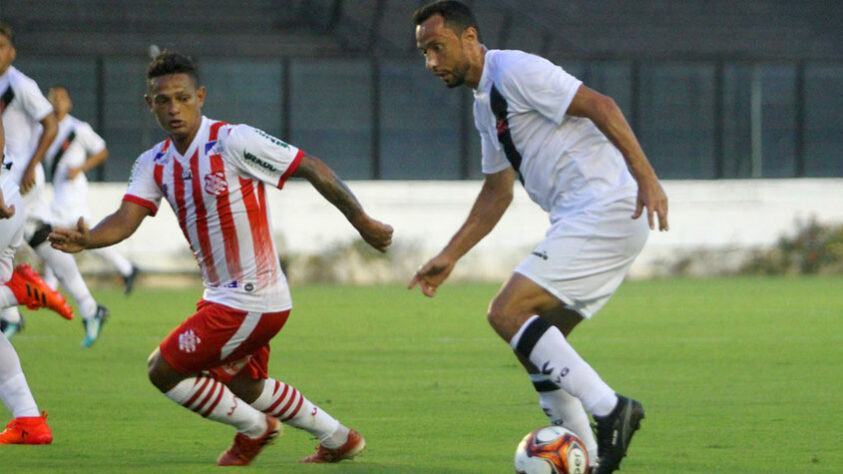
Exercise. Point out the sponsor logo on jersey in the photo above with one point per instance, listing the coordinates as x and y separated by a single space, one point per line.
188 341
271 138
249 287
215 183
232 284
541 254
259 162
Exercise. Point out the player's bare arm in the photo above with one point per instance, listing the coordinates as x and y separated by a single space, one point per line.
375 233
49 130
111 230
607 116
488 208
5 211
92 162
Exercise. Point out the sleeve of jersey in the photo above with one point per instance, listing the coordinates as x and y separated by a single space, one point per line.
545 87
92 142
494 160
36 105
260 155
143 188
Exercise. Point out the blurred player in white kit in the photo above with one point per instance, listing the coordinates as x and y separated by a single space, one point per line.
19 285
24 111
77 149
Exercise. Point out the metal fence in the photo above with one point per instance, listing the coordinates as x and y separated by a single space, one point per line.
388 118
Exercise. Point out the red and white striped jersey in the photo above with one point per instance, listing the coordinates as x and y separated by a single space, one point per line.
216 190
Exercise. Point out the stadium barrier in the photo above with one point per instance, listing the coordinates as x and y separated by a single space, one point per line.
724 218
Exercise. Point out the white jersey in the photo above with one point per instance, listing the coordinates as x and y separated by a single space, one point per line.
74 143
566 163
23 106
216 190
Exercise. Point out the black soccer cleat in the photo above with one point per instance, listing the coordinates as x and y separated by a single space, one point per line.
129 281
614 433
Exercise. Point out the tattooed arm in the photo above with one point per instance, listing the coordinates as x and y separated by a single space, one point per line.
331 187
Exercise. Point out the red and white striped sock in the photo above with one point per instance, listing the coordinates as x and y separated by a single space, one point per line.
212 399
290 406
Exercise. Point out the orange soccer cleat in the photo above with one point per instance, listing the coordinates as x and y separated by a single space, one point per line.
245 449
30 290
352 447
27 430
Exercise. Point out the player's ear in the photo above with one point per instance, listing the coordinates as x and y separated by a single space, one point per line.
200 95
148 100
470 34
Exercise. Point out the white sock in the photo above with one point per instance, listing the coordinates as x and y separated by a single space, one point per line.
565 410
50 279
68 274
212 399
10 315
550 352
14 390
111 255
290 406
7 298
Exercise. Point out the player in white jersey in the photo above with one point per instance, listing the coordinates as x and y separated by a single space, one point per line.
213 176
19 285
578 159
77 149
24 108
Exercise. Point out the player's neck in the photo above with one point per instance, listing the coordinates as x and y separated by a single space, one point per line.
475 72
183 142
60 116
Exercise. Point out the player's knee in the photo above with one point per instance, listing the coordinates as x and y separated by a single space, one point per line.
499 316
160 373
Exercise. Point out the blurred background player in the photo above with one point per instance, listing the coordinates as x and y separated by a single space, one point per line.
23 109
77 149
579 160
20 286
213 176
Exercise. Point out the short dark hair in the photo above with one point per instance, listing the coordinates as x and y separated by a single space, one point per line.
168 62
456 14
7 31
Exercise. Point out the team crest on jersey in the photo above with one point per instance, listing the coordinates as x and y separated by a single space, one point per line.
188 341
215 183
186 174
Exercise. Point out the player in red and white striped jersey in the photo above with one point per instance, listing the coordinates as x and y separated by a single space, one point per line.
214 175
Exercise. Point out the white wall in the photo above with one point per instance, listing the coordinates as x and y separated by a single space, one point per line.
714 215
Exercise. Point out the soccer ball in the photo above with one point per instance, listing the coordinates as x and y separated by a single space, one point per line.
551 450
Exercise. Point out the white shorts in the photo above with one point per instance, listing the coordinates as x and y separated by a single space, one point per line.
11 232
37 207
583 259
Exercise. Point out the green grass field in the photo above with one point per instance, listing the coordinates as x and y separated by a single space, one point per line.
740 375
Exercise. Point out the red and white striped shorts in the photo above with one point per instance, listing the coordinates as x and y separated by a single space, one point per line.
223 340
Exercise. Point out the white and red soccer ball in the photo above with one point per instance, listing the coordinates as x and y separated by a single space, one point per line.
551 450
